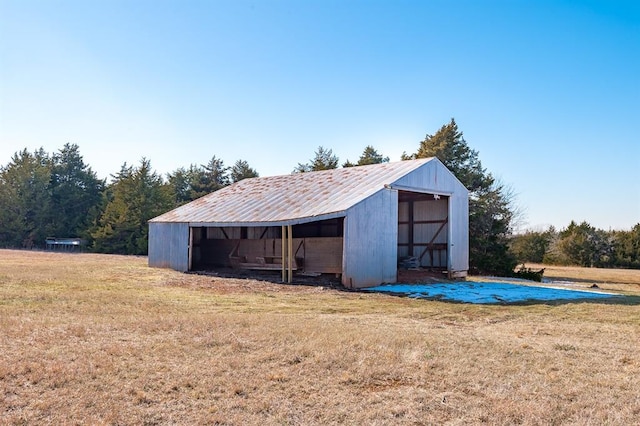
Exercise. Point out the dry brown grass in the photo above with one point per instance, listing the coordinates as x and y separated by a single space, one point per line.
625 280
94 339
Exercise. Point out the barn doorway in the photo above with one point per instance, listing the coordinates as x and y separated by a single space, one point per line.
423 231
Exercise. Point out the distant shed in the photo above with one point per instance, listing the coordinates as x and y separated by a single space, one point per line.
356 222
64 244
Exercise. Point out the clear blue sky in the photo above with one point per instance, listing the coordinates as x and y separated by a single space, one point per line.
548 92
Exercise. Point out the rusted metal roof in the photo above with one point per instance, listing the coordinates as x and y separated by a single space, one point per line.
290 199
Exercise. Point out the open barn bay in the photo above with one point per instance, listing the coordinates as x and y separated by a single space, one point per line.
101 339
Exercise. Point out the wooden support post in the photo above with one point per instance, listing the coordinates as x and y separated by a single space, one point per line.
190 248
411 227
283 251
290 252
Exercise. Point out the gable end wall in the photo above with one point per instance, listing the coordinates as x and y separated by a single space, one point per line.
435 176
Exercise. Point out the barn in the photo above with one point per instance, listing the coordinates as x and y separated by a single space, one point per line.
359 223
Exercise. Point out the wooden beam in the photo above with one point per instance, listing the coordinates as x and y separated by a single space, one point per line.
436 246
284 256
411 230
266 228
290 252
432 240
422 222
190 248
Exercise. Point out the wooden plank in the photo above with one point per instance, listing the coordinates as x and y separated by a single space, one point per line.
290 252
318 254
429 247
436 246
411 227
264 266
283 252
323 255
422 222
190 248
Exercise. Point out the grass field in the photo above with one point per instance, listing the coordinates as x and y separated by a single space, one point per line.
99 339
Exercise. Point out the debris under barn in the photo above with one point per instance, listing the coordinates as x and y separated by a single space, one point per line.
359 223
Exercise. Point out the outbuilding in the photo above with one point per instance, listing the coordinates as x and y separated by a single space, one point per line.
359 223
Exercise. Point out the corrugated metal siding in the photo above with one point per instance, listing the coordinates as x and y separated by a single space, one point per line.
434 176
459 230
283 199
169 246
370 241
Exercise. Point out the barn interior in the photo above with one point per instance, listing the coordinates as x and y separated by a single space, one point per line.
317 247
423 231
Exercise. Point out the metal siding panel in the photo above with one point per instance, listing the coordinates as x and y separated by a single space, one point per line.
431 210
432 175
459 244
403 234
180 247
370 242
168 246
424 233
155 256
403 211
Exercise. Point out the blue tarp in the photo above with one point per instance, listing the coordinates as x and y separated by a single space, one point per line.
488 292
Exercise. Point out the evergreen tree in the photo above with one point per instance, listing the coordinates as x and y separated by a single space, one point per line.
369 156
323 160
532 246
585 245
136 195
189 184
242 170
25 199
216 175
450 147
180 185
627 247
490 203
76 193
198 181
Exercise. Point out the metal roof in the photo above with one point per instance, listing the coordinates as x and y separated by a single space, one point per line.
290 199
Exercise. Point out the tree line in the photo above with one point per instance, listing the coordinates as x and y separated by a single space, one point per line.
58 195
579 244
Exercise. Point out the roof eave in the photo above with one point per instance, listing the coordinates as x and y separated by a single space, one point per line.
283 222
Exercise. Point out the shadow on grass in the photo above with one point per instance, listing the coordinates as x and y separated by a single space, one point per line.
557 279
